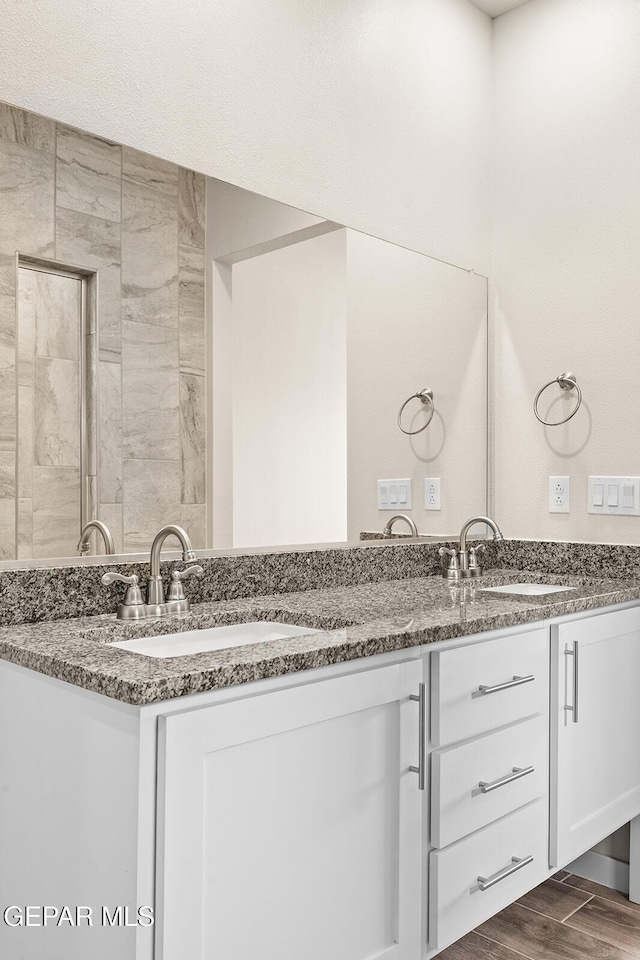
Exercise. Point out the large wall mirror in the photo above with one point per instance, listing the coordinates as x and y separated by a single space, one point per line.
177 349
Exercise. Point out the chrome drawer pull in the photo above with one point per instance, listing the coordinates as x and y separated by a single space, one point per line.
517 773
516 864
576 685
421 770
515 682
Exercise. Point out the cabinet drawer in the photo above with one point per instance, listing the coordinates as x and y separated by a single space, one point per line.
468 692
457 901
475 783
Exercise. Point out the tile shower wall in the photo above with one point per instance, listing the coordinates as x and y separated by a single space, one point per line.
139 221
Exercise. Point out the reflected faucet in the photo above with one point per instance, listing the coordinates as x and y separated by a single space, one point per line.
155 588
400 516
464 562
103 529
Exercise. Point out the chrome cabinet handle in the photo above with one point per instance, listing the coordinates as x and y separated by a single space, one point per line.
421 700
515 682
517 863
516 774
573 707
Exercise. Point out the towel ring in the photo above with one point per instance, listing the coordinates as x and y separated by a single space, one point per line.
425 397
566 381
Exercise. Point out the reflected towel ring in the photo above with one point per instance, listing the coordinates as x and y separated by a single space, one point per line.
425 397
566 381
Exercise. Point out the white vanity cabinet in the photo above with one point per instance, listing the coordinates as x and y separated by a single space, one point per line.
289 824
595 711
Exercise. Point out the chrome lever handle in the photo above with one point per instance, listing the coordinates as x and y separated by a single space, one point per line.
516 774
421 770
183 574
515 682
112 576
517 863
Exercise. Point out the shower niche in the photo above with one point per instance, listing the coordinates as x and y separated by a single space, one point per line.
56 406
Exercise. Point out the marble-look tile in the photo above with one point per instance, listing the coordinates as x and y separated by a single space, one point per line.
7 374
86 241
150 392
149 256
56 511
25 441
25 529
7 474
111 514
28 128
57 312
193 518
26 327
192 198
88 172
110 432
56 401
151 500
149 171
193 437
91 411
192 323
26 207
7 529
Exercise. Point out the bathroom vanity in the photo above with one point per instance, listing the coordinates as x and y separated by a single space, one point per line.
372 790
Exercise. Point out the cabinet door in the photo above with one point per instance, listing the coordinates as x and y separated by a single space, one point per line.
289 824
595 730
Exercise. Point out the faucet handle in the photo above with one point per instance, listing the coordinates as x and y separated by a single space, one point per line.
176 590
132 598
454 562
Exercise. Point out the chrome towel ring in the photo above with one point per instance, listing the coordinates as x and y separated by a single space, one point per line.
426 399
566 381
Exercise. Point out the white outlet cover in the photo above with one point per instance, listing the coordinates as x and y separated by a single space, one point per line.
432 493
559 495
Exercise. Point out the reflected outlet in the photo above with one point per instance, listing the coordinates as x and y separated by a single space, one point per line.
559 494
432 493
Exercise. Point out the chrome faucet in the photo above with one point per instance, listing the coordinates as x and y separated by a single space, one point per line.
156 606
400 516
464 561
103 529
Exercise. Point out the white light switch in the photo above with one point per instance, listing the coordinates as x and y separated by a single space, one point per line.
618 496
394 494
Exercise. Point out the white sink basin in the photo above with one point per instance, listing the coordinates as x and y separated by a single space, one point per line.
211 638
527 589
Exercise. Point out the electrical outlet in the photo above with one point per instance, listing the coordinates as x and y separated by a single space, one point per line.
432 493
559 494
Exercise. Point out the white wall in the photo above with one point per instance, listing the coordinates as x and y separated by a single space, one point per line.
566 257
413 323
371 113
289 395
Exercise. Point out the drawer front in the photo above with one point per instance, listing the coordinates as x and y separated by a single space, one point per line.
484 779
468 692
457 901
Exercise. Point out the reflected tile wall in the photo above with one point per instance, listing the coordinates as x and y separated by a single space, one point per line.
140 223
56 511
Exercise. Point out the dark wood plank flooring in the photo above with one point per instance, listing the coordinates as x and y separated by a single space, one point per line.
565 918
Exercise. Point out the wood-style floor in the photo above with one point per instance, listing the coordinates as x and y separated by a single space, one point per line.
565 918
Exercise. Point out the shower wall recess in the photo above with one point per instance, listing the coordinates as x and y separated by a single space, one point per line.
136 224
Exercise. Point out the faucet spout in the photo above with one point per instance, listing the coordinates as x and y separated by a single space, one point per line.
497 535
103 530
171 530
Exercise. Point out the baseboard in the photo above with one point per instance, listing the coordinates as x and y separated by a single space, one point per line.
601 869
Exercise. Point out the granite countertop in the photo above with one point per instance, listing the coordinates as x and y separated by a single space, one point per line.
355 621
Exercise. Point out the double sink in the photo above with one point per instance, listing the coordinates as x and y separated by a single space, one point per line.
262 631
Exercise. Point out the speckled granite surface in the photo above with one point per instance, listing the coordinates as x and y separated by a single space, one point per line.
356 621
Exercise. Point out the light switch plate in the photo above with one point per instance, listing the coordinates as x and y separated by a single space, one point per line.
617 496
394 494
559 494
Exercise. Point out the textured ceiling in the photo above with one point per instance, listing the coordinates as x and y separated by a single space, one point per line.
495 7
